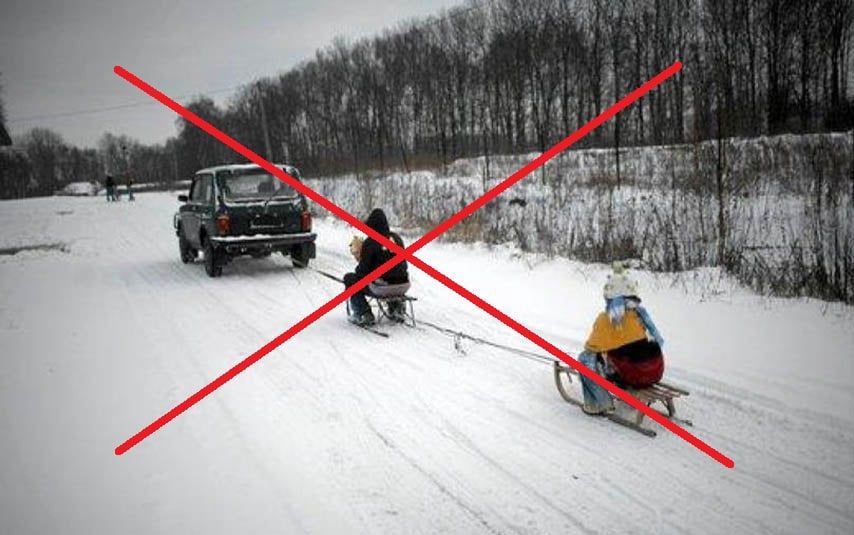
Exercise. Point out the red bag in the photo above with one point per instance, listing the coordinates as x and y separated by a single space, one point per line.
638 373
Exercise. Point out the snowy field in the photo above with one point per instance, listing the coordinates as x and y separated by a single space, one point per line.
102 330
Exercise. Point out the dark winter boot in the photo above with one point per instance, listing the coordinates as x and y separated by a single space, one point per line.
596 410
365 318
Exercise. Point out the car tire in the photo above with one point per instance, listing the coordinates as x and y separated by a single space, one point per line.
299 257
213 265
188 254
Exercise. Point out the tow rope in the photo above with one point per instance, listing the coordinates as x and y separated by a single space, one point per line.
461 335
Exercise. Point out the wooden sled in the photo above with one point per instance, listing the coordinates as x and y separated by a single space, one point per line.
661 392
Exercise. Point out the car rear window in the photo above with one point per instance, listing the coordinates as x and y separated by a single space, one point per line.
251 185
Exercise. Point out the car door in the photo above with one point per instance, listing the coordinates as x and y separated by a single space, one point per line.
194 213
187 216
205 206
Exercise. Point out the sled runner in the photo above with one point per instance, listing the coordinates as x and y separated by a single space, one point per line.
661 392
370 329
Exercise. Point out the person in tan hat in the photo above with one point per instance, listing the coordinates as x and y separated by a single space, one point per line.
624 345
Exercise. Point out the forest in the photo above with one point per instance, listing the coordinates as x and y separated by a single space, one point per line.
501 77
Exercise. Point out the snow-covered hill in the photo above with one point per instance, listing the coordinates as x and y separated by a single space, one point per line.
102 329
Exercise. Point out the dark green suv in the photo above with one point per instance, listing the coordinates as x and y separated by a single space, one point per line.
235 210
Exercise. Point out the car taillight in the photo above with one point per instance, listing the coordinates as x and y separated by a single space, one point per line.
305 221
223 224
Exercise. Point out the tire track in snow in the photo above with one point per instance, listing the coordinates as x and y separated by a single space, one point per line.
787 495
156 324
715 400
473 513
742 399
467 444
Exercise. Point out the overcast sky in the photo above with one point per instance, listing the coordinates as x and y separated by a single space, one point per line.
57 56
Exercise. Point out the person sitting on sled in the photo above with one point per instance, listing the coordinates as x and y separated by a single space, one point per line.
624 345
371 255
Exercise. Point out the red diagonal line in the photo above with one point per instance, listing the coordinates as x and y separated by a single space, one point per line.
407 253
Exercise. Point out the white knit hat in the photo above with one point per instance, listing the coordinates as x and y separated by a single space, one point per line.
619 283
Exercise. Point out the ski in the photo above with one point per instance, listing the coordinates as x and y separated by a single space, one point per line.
371 329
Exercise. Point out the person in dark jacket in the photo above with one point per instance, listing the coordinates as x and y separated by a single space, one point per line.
110 185
372 255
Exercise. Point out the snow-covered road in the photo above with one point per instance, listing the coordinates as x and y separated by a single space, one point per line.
337 431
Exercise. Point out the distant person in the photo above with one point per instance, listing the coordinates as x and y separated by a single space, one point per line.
130 189
371 255
110 186
624 345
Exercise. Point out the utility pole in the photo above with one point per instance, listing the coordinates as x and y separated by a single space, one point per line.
264 125
126 166
128 171
125 160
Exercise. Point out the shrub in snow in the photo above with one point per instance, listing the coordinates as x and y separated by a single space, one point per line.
775 211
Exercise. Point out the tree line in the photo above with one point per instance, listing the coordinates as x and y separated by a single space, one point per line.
41 162
511 76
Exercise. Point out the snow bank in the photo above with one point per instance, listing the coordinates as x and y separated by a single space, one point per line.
76 189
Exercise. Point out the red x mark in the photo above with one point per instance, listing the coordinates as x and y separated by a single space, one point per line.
408 254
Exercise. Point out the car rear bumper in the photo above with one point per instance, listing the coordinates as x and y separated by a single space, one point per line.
261 242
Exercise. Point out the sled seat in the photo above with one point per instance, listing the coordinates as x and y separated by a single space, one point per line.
661 392
383 290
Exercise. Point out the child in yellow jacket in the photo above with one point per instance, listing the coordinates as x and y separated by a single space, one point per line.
624 344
